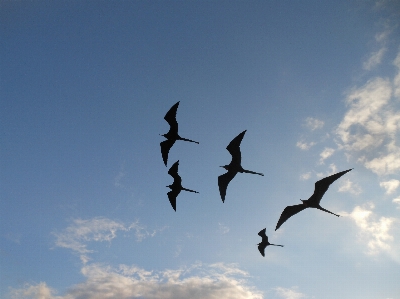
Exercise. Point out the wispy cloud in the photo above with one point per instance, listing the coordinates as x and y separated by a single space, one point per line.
195 282
374 59
291 293
99 229
313 123
369 129
390 186
349 186
325 154
375 232
397 201
305 176
304 145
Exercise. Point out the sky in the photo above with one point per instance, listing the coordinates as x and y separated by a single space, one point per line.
84 88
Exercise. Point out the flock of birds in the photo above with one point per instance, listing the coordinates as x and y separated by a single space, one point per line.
233 168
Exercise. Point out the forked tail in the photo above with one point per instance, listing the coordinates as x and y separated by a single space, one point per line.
253 172
184 139
189 190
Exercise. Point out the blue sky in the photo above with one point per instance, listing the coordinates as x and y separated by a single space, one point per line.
85 85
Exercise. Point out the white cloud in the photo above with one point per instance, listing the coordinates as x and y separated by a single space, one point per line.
374 59
99 229
314 123
349 186
289 293
305 176
326 153
397 201
304 145
375 232
333 170
369 129
196 282
390 186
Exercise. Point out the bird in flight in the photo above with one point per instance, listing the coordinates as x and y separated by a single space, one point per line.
264 242
313 202
234 167
176 186
172 134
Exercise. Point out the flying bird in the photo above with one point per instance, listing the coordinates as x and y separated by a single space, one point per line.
264 242
234 167
313 202
176 186
172 134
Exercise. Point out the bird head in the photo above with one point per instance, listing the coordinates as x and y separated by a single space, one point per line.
169 186
225 166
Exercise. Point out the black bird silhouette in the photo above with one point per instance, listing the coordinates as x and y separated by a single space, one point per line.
264 242
176 186
313 202
172 134
234 167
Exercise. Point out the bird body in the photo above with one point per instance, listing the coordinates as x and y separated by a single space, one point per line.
176 186
321 187
234 167
172 135
264 242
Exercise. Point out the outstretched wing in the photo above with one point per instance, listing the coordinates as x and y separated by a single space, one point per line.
173 171
288 212
322 185
170 117
262 234
234 148
261 248
165 147
223 181
172 195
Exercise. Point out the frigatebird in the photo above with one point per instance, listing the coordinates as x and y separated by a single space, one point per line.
176 186
313 202
234 167
172 134
264 242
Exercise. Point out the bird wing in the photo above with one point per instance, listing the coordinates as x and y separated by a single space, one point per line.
170 117
322 186
288 212
234 148
223 181
172 195
262 234
261 248
173 171
165 147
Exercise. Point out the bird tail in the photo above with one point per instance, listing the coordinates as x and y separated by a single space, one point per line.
189 190
185 139
325 210
253 172
276 245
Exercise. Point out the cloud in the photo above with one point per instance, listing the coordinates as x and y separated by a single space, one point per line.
289 293
333 168
397 201
304 146
195 282
349 186
390 186
326 153
370 127
375 232
99 229
305 176
374 59
314 123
